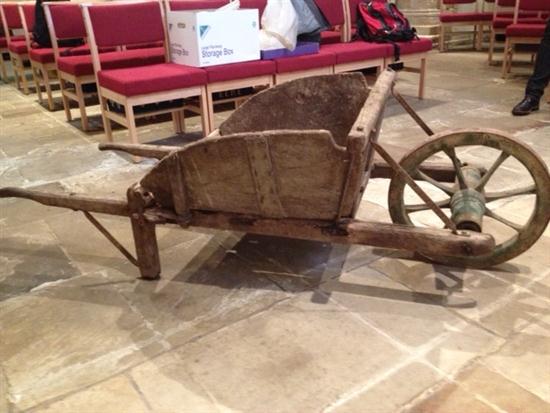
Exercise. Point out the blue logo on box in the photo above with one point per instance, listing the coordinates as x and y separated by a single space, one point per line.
203 30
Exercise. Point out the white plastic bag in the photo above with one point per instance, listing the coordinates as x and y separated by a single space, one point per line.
279 26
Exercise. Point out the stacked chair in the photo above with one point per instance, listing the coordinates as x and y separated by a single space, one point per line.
122 59
17 46
474 17
503 16
520 32
75 66
413 52
160 84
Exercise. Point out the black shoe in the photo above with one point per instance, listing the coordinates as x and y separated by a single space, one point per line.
526 106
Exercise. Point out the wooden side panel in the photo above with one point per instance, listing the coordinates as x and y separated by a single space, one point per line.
310 175
275 174
330 102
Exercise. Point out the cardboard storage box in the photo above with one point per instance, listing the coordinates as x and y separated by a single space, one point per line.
203 38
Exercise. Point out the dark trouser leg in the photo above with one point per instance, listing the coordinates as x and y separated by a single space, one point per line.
541 76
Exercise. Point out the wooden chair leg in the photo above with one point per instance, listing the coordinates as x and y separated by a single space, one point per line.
48 87
207 102
176 120
65 99
505 58
81 105
36 77
479 37
422 81
15 68
491 47
181 116
106 121
3 69
23 75
441 38
131 119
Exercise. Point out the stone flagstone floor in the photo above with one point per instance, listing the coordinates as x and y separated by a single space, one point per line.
242 323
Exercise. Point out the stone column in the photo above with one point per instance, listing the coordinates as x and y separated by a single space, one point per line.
423 14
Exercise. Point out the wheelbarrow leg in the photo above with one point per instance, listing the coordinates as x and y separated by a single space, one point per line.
145 237
147 251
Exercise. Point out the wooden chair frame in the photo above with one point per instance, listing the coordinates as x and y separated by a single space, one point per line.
129 119
478 27
67 94
496 31
422 59
512 41
43 74
17 60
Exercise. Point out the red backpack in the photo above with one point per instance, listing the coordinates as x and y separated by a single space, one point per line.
382 22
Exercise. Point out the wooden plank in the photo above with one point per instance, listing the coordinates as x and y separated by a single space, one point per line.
70 201
177 184
429 241
262 172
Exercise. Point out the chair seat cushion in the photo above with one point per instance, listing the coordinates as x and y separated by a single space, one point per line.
43 55
243 70
305 62
18 47
465 17
358 51
415 46
4 40
525 30
81 65
331 37
504 22
143 80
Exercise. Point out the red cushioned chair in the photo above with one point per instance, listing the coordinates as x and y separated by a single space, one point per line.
3 50
74 65
41 59
474 17
119 25
350 55
228 77
414 52
523 33
17 46
503 16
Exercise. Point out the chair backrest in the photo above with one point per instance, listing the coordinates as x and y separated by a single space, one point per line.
27 13
533 5
538 6
11 18
333 10
119 24
65 21
445 4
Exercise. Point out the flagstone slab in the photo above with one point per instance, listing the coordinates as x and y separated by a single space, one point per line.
113 395
391 393
68 336
296 356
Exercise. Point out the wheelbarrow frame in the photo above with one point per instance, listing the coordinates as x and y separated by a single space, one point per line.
145 214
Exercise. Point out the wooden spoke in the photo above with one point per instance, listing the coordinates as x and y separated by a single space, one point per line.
527 190
445 188
502 157
450 152
503 220
422 207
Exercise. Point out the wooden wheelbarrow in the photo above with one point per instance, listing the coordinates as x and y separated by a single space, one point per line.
294 161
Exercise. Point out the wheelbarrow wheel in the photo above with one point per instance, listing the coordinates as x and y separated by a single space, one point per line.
509 191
